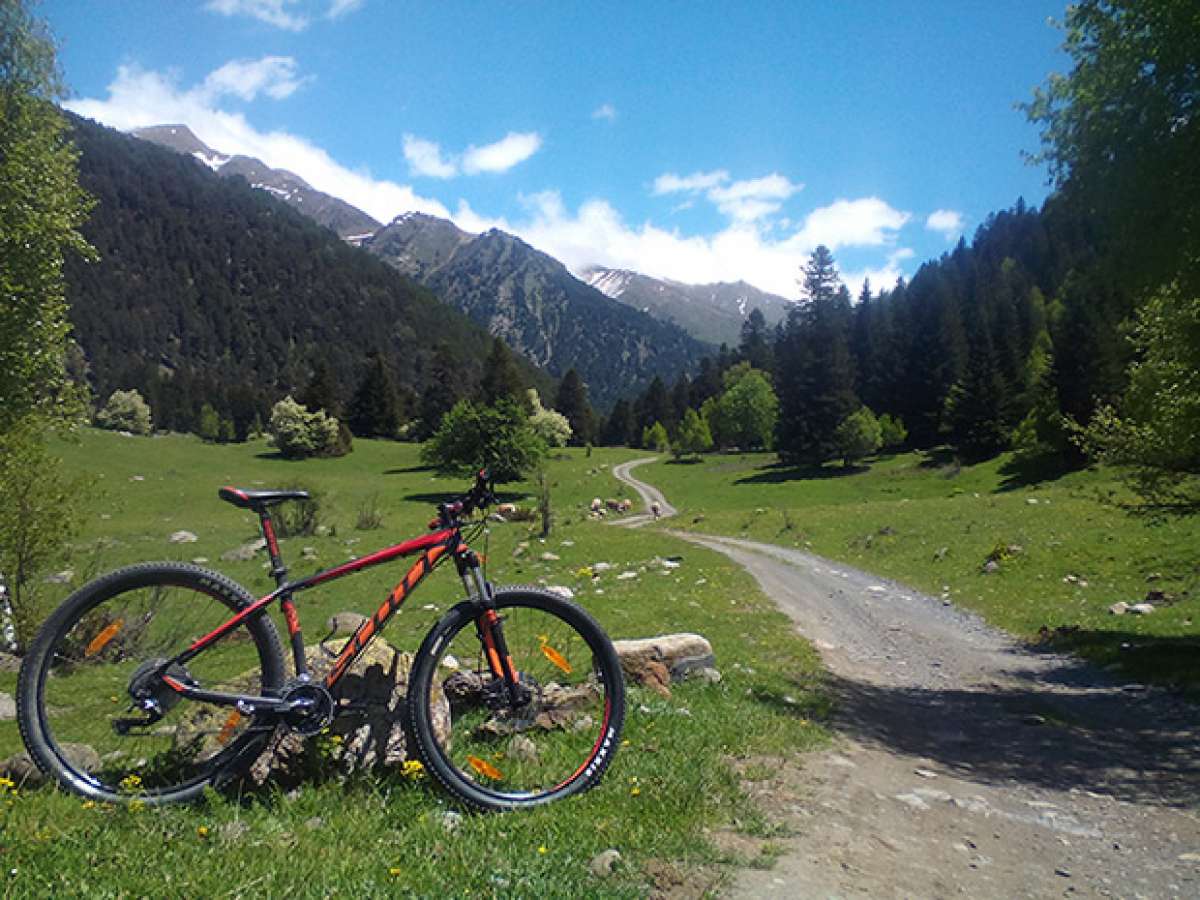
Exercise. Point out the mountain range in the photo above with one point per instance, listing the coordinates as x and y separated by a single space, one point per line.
711 313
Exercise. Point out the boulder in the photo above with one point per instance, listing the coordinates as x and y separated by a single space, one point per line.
21 769
370 735
678 654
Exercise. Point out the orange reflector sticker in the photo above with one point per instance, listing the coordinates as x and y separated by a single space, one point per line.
100 641
231 723
555 657
485 768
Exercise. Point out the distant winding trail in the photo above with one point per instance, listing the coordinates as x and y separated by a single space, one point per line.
967 765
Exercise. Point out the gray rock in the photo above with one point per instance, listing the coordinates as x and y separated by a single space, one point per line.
1119 609
183 537
668 649
245 552
21 768
66 576
549 557
10 662
8 707
602 864
1142 609
688 665
991 567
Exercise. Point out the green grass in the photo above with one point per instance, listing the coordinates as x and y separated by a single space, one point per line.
922 520
385 835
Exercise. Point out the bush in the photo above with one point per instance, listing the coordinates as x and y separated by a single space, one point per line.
498 437
892 432
38 515
297 433
857 435
694 437
125 411
552 427
654 437
299 518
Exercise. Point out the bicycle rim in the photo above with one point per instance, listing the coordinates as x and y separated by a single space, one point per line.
556 738
125 628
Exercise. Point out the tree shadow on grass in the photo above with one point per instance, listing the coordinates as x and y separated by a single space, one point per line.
1137 746
408 470
1145 658
445 497
695 460
1021 472
779 473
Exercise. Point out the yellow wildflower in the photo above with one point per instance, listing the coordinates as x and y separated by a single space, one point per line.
6 784
412 768
136 805
131 783
633 792
89 804
395 871
542 850
202 831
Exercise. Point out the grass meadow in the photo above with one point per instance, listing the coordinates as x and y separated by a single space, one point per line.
679 778
1066 546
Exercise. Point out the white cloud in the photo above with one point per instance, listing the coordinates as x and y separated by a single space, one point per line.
868 222
946 221
605 111
425 158
596 234
742 201
339 8
513 148
273 12
746 201
245 78
670 183
138 98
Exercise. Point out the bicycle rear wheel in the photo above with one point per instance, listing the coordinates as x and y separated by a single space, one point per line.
555 739
75 695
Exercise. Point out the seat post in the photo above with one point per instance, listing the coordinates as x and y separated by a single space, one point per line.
278 569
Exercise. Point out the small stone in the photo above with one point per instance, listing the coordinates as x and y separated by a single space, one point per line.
601 567
1189 857
1032 501
1119 608
1063 873
549 557
925 773
200 560
137 477
245 552
626 575
183 537
308 553
602 863
1142 609
8 707
914 801
233 831
451 820
991 567
63 577
877 589
522 749
314 823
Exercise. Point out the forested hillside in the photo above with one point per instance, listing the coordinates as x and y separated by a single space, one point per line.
540 309
208 291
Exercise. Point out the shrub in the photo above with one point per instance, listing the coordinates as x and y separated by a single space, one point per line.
297 433
694 437
125 411
892 432
498 437
654 437
857 435
552 427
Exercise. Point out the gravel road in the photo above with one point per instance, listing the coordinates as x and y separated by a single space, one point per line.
966 764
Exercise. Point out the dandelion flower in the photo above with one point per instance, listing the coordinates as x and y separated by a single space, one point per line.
542 850
202 831
395 871
633 792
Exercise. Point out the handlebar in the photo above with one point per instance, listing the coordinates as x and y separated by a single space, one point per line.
481 494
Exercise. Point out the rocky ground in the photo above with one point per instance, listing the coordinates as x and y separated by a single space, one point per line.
967 764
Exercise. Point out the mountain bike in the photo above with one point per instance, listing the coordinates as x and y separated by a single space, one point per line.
161 679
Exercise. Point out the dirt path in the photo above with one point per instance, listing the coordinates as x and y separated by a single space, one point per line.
966 764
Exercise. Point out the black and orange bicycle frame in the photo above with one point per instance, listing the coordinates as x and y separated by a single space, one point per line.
446 541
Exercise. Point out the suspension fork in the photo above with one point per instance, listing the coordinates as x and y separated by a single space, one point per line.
489 626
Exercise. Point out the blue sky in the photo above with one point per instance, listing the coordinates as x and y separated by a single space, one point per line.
695 141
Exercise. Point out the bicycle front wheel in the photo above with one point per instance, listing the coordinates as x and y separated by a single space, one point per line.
82 685
553 736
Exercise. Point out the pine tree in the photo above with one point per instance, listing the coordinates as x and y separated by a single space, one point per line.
619 426
443 389
572 402
323 392
654 405
814 369
374 408
501 379
755 345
